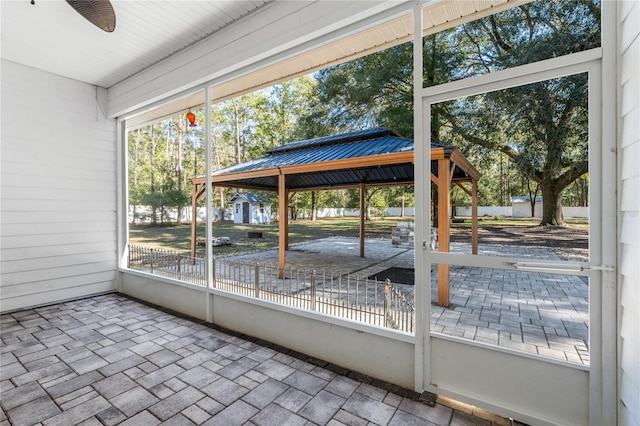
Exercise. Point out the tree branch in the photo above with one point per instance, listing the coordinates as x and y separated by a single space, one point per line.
572 173
496 35
514 156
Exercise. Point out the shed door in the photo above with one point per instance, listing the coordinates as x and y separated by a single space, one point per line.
245 212
522 332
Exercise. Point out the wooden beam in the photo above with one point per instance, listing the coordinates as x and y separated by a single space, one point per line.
230 177
464 188
352 186
348 163
282 224
437 153
464 164
362 206
444 204
434 178
474 217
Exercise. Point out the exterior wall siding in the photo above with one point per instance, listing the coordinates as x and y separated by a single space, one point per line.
629 215
58 222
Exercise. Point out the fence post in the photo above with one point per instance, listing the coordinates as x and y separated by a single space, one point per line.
213 272
387 300
312 305
257 281
151 260
179 260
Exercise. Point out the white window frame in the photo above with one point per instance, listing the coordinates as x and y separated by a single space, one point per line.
583 62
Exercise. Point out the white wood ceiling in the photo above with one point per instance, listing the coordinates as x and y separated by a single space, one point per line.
51 36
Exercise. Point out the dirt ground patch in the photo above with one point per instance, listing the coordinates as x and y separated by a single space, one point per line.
571 243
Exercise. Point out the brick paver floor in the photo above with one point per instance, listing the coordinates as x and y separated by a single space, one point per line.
110 360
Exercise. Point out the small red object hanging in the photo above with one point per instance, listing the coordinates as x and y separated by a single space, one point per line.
192 119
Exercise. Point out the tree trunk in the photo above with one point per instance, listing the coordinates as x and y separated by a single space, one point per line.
222 208
532 196
314 207
551 204
237 132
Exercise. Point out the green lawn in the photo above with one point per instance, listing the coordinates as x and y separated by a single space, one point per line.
178 237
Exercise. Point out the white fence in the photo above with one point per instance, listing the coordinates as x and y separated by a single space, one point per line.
509 211
143 213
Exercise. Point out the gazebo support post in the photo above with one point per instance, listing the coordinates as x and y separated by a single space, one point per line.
194 222
474 216
282 224
444 204
362 217
286 222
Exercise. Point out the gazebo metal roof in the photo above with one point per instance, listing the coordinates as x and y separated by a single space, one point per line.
373 157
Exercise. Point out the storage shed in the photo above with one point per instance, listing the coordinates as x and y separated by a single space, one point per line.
249 208
521 207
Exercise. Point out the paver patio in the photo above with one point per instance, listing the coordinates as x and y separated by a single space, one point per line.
110 360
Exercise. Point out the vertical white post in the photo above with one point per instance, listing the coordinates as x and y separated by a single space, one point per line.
363 189
603 108
207 182
422 183
122 179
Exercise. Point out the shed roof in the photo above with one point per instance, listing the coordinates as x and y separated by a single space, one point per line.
373 157
525 199
250 197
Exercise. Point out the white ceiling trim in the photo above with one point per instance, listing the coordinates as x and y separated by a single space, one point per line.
362 38
260 38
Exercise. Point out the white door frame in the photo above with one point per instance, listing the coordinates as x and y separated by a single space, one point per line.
526 387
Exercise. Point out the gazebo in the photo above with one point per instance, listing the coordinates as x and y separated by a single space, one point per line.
361 159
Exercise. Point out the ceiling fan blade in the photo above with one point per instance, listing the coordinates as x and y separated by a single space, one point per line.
99 12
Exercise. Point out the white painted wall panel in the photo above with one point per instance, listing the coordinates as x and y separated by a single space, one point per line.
630 167
465 370
629 265
629 388
184 298
630 298
58 201
629 149
629 129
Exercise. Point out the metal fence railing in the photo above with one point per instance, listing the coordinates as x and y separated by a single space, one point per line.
167 263
342 295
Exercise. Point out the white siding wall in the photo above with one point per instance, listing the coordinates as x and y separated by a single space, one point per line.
630 213
58 223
